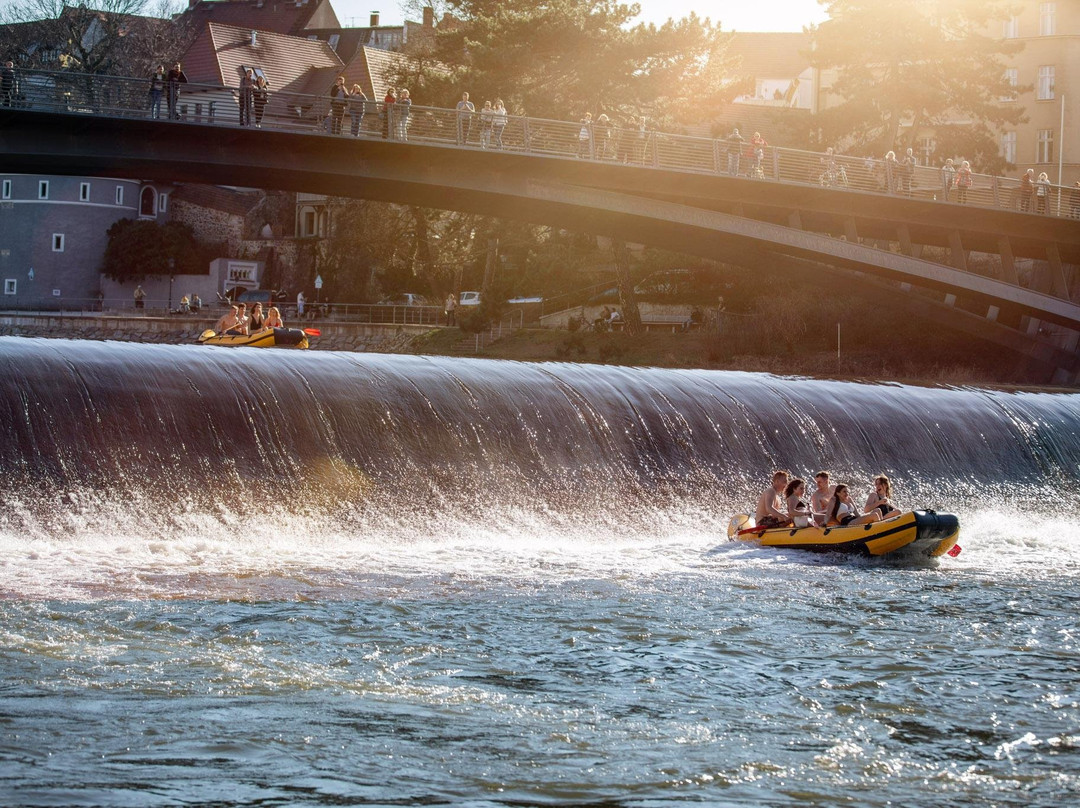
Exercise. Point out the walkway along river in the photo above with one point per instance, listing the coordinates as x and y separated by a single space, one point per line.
308 578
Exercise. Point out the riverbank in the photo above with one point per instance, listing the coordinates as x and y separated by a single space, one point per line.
936 360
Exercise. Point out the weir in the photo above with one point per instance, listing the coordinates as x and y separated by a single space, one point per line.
163 423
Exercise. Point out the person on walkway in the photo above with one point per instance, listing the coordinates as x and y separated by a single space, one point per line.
9 85
1027 190
487 118
734 154
624 152
157 90
1074 201
401 113
770 506
758 145
892 172
338 98
173 81
246 100
299 304
388 113
907 171
357 108
964 181
1042 193
450 307
260 97
585 136
605 140
465 111
948 177
498 122
140 296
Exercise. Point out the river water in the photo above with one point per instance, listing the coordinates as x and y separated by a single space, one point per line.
285 578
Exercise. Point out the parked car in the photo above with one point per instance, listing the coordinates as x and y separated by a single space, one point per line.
405 299
469 299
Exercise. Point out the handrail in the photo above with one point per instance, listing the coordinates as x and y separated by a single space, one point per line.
282 110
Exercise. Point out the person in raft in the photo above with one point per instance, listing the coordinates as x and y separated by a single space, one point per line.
230 323
881 498
843 511
798 511
273 318
822 497
770 504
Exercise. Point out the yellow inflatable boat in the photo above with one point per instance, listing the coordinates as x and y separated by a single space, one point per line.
914 534
266 338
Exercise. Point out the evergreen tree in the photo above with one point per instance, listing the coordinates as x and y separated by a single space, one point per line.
560 58
898 68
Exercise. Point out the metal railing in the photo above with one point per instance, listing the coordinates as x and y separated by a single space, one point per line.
121 97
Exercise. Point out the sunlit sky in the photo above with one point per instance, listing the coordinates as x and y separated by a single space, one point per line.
733 15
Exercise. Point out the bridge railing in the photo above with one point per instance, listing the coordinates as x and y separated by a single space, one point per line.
115 96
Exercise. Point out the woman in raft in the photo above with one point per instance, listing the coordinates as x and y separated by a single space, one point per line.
843 511
881 498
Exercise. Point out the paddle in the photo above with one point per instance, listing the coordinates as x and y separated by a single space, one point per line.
207 334
313 332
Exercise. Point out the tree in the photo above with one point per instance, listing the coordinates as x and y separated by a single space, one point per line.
900 68
137 248
559 58
100 37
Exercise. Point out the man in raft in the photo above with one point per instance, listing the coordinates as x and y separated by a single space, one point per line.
770 507
231 323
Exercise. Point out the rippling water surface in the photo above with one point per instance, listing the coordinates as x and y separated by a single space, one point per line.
490 583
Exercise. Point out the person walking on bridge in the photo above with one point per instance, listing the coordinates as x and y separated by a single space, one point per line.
173 81
247 87
157 89
338 98
963 182
260 97
465 111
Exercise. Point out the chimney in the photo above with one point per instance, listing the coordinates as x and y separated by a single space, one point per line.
429 17
254 39
374 19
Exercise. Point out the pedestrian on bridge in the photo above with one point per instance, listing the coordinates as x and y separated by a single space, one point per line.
247 87
388 113
963 182
735 147
401 112
173 81
487 118
1042 193
585 136
260 97
1074 201
498 122
1027 190
338 98
948 177
357 108
465 111
892 172
9 87
157 89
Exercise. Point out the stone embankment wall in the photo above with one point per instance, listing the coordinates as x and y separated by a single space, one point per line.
182 330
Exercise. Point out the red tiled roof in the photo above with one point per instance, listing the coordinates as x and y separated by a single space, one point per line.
219 52
227 200
374 70
278 16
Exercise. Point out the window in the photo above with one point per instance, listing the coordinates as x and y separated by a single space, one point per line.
10 286
256 72
119 194
1047 22
1008 147
926 149
7 190
1011 28
84 192
146 202
43 189
1012 78
333 41
1045 90
161 200
307 228
57 242
1044 152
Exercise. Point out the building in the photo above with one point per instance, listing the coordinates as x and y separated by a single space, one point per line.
53 232
1050 64
291 17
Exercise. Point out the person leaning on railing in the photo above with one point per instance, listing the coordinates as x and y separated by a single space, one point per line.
260 97
173 81
157 89
357 108
9 84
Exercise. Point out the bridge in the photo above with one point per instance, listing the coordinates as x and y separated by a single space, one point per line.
809 212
